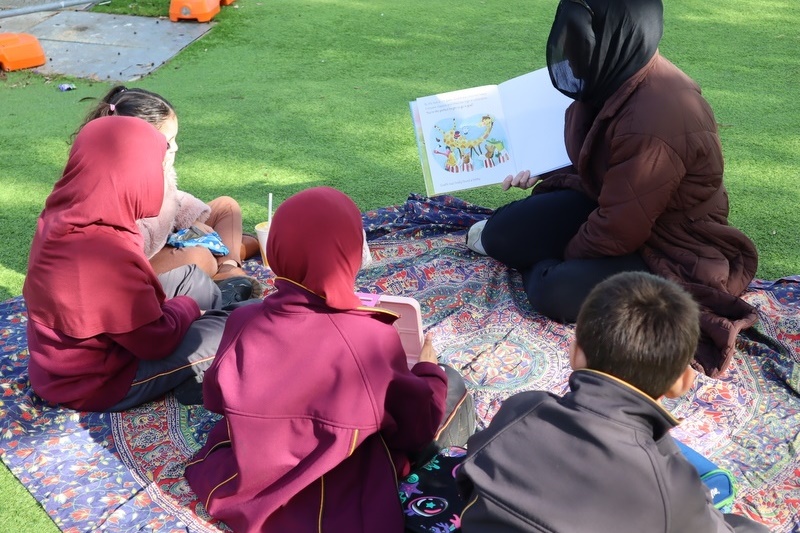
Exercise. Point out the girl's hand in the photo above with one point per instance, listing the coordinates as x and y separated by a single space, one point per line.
428 354
523 180
203 227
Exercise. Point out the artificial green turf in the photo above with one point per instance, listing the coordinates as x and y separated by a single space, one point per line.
140 8
19 511
280 96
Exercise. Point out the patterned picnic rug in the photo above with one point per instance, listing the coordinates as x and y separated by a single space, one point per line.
124 471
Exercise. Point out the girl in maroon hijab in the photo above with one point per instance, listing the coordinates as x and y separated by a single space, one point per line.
320 409
102 332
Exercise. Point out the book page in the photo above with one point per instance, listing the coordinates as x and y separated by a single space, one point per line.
455 128
423 154
535 120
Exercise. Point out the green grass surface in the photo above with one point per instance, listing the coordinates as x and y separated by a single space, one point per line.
281 96
143 8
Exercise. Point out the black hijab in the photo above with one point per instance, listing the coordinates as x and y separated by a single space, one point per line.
596 45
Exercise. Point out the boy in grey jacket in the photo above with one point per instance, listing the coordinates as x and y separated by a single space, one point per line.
600 459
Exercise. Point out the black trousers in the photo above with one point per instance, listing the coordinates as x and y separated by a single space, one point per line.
742 524
182 371
530 235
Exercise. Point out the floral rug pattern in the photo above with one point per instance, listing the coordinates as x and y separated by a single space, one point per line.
124 471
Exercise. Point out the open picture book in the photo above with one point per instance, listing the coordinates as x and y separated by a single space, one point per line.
475 137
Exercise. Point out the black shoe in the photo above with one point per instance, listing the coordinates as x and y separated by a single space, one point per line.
236 289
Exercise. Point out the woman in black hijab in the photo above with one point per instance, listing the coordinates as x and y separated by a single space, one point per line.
593 49
644 191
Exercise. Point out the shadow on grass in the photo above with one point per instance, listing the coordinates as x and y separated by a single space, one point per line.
333 110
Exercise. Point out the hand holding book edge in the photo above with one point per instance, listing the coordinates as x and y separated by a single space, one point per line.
522 180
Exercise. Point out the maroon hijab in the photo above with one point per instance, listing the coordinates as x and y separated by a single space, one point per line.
87 272
315 240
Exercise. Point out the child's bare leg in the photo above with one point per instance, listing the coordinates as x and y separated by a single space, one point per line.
226 219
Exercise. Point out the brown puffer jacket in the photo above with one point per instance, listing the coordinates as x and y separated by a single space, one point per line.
653 161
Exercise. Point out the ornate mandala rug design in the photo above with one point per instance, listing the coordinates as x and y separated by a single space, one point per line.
124 471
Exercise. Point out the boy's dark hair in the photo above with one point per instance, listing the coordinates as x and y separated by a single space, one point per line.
640 328
140 103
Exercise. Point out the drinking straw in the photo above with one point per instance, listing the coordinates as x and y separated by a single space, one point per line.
270 208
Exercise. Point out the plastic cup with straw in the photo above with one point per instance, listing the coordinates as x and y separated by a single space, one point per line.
262 232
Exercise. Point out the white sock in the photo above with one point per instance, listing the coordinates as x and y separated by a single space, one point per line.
474 237
366 255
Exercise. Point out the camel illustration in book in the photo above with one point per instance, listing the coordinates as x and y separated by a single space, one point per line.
466 162
488 162
494 148
454 139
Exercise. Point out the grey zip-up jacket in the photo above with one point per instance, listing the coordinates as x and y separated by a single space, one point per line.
597 460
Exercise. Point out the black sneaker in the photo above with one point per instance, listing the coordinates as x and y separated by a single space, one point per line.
236 289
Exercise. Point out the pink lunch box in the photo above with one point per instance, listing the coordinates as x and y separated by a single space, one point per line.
409 325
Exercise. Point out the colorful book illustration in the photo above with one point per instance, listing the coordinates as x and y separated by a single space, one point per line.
476 137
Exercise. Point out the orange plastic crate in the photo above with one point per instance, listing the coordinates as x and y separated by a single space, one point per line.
199 10
19 51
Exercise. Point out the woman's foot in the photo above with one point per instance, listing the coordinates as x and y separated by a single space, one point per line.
474 237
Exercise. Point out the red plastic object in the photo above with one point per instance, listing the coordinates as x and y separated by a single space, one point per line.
19 51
